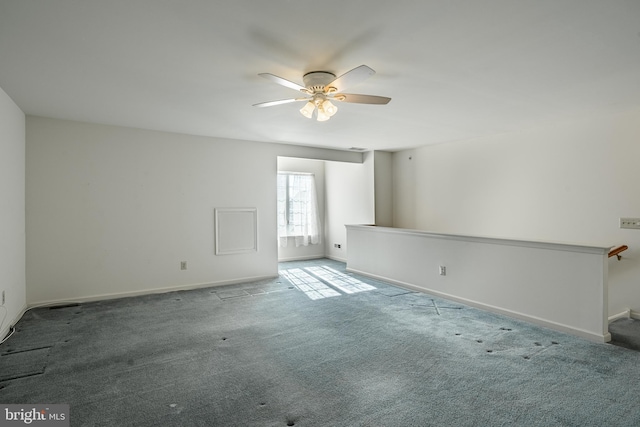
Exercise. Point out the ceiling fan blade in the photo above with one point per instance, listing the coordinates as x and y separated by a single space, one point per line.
283 82
350 78
282 101
362 99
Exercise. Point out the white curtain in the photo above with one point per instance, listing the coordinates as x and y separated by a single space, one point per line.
297 209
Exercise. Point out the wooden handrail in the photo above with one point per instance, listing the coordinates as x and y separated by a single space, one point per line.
616 251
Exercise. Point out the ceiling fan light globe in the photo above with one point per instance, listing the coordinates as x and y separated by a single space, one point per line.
322 116
307 110
329 108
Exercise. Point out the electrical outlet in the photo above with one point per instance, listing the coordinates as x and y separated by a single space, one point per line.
337 245
183 265
2 298
630 223
443 270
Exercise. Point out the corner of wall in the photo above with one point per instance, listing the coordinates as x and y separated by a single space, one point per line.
12 219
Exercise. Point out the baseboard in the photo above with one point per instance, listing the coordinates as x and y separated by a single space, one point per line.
304 258
627 314
300 258
591 336
102 297
6 327
623 315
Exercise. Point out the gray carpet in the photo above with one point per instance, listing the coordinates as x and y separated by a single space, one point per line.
625 333
316 347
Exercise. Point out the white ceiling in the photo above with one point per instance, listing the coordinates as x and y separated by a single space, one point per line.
455 69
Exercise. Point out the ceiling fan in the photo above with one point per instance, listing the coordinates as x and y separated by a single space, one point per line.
322 87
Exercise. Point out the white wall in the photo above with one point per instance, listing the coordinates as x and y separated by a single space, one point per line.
383 179
316 167
113 211
567 182
12 212
350 199
404 189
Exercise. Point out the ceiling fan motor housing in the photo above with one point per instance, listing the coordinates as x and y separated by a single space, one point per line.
315 81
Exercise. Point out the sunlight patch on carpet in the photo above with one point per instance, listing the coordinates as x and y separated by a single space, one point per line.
318 282
344 282
311 286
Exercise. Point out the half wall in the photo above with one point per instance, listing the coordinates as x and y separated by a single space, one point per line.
556 285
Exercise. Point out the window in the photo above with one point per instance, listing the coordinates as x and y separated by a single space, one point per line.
297 209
